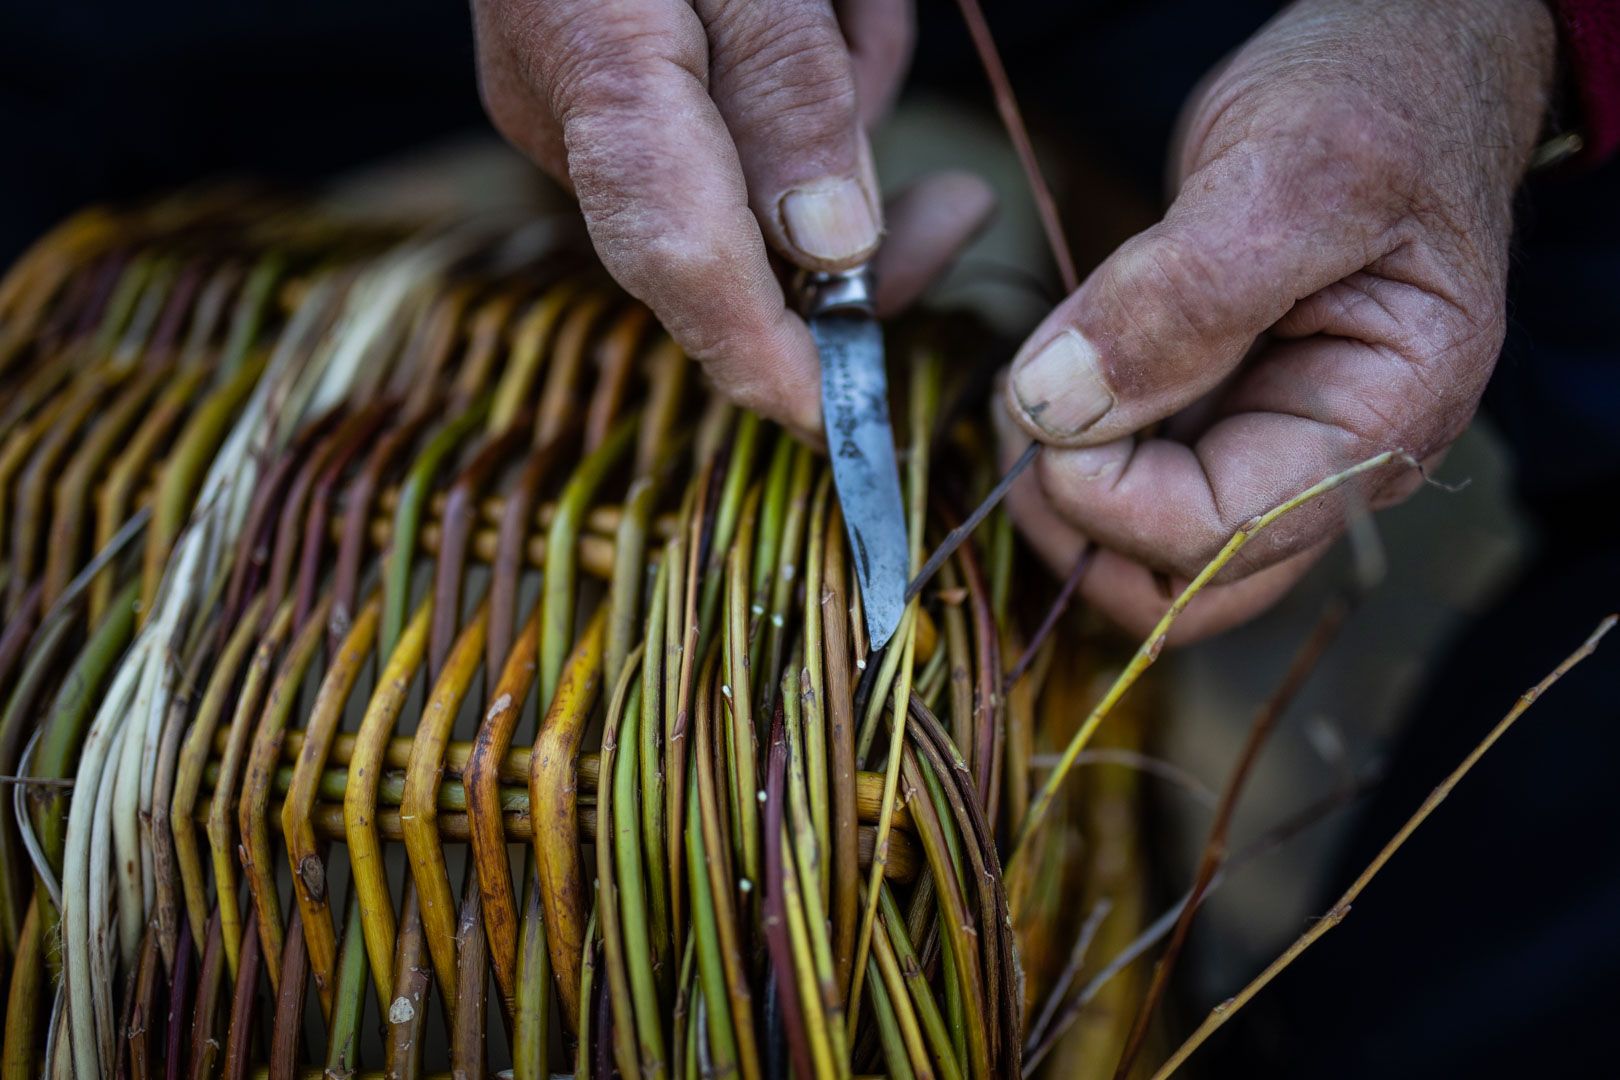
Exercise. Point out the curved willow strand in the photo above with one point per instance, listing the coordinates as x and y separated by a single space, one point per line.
251 820
309 878
359 801
1150 648
418 808
556 827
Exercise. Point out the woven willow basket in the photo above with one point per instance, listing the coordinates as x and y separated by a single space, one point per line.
409 665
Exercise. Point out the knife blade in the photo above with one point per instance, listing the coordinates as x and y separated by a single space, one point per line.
860 440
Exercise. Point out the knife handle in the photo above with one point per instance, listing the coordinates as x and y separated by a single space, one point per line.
841 292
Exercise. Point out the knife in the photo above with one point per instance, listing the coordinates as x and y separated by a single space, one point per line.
860 439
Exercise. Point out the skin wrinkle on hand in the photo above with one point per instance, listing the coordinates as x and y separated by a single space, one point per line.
1313 152
683 127
1345 197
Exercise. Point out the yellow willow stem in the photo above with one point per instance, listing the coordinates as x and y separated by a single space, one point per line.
553 799
891 786
1150 649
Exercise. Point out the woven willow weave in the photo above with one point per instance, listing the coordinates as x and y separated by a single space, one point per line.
399 637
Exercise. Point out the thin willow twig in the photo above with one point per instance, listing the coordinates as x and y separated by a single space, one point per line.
1214 851
1049 621
1336 914
1012 119
1150 648
1071 971
1267 842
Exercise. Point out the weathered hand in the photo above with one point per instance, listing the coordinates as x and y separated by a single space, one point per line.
694 133
1328 283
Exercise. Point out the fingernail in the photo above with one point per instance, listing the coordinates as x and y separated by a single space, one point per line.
1061 389
832 221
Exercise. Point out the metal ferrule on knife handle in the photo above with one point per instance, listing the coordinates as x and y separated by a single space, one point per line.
846 292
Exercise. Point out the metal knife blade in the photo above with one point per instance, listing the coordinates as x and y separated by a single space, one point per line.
860 441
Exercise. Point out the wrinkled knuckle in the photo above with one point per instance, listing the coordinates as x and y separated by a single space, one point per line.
1477 327
612 64
1455 356
1461 351
1460 332
1182 281
1351 146
798 73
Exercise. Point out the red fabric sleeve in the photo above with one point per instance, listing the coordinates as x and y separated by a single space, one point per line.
1591 33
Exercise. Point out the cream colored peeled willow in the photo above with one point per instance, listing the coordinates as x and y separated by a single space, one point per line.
129 744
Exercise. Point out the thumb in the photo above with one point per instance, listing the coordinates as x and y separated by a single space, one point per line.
1172 312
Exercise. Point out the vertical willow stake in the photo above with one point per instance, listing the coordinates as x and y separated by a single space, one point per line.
558 584
615 785
924 400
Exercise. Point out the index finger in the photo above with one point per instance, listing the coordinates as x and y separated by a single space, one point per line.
662 192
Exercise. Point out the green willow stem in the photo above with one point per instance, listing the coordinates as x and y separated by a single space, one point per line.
348 995
899 994
807 908
39 667
628 584
531 1019
893 1043
650 762
587 1000
612 928
815 693
726 513
558 583
706 934
788 568
737 707
248 318
922 996
62 733
1149 650
121 305
630 856
184 468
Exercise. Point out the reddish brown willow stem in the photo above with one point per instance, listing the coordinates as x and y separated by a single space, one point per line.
1214 854
1229 1008
1049 622
776 927
1264 844
1013 120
